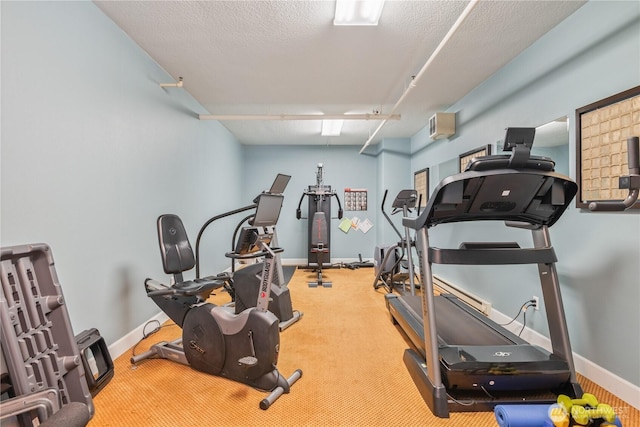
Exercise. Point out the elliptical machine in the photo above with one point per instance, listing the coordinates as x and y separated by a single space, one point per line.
389 261
244 284
242 347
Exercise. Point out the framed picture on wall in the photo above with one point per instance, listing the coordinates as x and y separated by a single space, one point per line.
465 158
421 185
602 130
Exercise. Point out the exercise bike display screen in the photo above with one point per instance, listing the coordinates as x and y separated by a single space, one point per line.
268 210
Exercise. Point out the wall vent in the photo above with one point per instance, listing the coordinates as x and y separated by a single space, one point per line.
442 125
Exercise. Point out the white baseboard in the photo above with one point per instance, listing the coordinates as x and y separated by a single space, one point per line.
605 379
121 346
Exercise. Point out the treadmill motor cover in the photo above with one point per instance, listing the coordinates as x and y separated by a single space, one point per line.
502 368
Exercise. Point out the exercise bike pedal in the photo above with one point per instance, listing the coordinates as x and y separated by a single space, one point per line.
248 361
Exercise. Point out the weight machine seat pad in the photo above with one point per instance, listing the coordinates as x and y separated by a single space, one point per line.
319 234
175 249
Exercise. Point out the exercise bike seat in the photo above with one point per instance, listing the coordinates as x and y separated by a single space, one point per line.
198 286
177 257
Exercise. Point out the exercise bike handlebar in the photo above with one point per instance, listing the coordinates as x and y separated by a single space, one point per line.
206 224
631 181
258 254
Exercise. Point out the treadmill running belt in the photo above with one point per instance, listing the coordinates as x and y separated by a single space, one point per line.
458 325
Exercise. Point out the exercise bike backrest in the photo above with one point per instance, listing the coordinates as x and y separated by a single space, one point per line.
175 249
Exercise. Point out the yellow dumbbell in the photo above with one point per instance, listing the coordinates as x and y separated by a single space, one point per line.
583 415
587 400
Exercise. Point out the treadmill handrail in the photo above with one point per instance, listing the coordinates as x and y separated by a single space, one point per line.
532 196
492 256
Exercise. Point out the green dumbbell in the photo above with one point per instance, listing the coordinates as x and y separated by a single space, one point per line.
582 415
588 399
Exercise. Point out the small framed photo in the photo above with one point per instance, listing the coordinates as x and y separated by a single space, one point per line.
421 185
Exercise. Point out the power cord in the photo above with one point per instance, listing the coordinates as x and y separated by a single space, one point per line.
523 311
146 335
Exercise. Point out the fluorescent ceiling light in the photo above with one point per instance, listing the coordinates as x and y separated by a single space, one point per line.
358 12
331 127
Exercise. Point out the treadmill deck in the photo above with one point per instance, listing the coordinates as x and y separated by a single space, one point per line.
477 353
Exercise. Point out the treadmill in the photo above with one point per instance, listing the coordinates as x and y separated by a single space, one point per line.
461 360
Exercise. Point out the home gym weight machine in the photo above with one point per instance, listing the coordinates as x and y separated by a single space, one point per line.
243 284
242 346
390 260
461 360
319 230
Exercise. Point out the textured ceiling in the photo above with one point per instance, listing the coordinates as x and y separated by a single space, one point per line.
287 58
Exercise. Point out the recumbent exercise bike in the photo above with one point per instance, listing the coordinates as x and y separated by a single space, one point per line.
242 347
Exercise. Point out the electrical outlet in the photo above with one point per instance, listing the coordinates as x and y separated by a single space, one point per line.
536 303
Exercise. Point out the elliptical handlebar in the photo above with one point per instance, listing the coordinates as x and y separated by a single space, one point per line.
631 181
384 199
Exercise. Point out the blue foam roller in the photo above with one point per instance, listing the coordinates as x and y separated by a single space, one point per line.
522 415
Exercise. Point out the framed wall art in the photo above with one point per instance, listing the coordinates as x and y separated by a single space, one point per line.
602 130
465 158
421 185
355 199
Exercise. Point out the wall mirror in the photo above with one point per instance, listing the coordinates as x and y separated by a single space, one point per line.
552 140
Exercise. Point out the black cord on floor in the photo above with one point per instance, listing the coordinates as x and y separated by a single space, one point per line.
146 335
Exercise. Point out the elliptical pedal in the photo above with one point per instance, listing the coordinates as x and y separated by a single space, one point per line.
252 360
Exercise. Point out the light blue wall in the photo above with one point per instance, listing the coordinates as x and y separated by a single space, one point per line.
593 54
93 150
394 174
343 168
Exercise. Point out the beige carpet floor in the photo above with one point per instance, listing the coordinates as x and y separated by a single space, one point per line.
353 374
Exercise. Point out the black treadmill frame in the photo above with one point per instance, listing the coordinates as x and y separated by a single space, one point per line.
526 198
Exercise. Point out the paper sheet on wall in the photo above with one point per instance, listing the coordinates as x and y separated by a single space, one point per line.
365 225
345 225
355 221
